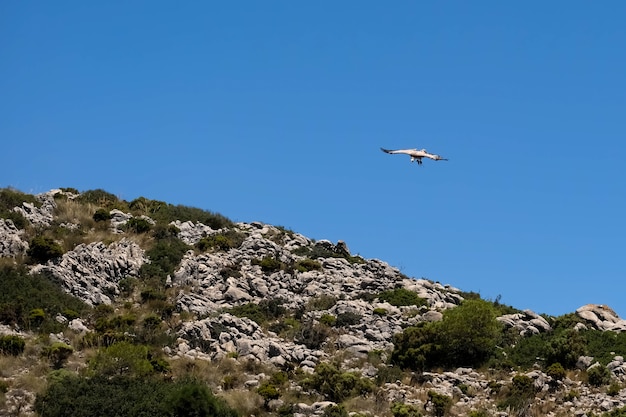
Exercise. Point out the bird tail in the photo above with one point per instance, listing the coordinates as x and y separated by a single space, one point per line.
385 150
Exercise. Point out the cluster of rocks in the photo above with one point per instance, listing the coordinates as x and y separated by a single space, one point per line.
40 215
526 323
92 272
601 317
210 284
11 243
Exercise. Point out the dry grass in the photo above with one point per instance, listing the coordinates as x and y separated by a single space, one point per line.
69 211
246 402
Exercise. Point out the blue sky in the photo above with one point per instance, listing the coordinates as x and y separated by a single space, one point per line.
275 112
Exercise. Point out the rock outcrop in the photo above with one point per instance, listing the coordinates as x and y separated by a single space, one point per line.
601 317
11 243
92 272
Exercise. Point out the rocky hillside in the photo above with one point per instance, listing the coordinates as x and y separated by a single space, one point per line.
276 323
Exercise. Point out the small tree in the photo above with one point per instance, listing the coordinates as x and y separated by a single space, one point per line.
58 353
11 345
42 249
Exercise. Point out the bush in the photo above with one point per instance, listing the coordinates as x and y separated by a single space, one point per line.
401 297
137 225
122 358
12 345
307 264
468 332
22 293
556 371
440 403
347 319
336 385
229 239
335 410
312 335
399 409
262 312
268 264
521 391
70 395
164 256
380 311
58 353
598 375
328 319
565 348
102 215
268 391
42 249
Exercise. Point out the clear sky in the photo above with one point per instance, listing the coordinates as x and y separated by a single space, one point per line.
275 112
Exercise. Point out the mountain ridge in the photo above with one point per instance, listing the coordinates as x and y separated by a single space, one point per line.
253 292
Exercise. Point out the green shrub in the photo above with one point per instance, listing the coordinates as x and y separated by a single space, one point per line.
379 311
102 215
268 391
598 375
307 264
98 396
42 249
613 389
58 353
21 293
468 332
401 297
336 385
98 197
36 316
122 358
262 312
268 264
520 393
335 410
399 409
328 320
479 413
12 345
556 371
348 319
165 256
440 403
565 348
224 241
137 225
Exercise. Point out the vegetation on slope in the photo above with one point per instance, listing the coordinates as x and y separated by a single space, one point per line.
119 367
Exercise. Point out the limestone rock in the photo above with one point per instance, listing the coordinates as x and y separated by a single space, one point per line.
11 243
92 271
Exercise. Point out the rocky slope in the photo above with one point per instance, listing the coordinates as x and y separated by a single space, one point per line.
207 285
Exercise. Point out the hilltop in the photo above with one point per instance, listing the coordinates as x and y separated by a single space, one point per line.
153 301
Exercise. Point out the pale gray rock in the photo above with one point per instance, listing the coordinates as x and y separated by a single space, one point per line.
601 317
190 232
119 219
11 243
526 323
93 271
43 215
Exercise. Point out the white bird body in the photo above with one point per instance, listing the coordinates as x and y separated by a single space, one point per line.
416 155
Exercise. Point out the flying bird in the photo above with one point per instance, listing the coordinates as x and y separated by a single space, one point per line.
416 156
